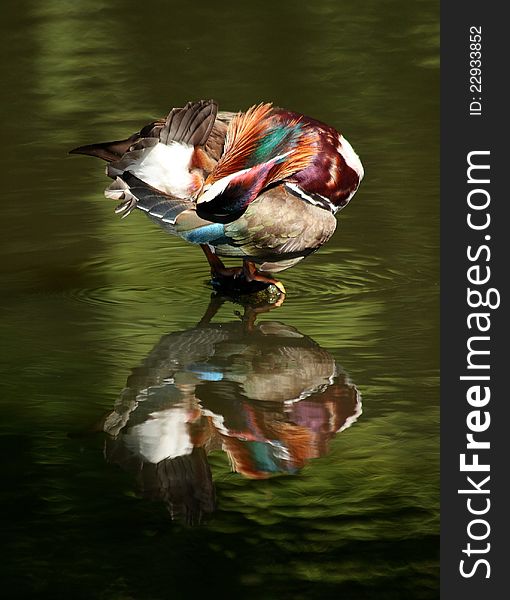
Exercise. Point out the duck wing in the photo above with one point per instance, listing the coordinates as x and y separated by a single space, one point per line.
191 125
135 193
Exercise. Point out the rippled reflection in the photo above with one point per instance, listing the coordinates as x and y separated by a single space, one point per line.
267 395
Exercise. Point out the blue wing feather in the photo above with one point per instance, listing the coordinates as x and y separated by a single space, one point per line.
207 234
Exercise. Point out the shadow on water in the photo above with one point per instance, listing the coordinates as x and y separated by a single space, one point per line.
267 395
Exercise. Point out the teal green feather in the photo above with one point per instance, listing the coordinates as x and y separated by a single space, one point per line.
277 141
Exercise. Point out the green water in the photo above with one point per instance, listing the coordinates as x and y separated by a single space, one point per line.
87 297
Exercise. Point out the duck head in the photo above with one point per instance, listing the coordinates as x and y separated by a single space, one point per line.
231 194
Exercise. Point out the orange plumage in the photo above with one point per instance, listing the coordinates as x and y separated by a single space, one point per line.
244 136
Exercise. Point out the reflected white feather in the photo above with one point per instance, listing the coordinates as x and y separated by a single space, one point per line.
163 435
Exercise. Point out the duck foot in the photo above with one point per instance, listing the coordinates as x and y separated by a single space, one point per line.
251 274
243 281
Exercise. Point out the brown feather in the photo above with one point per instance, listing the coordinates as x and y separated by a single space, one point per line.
109 151
216 140
191 124
113 151
243 134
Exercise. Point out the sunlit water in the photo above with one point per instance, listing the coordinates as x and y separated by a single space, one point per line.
286 501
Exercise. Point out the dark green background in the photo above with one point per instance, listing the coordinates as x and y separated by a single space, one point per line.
86 296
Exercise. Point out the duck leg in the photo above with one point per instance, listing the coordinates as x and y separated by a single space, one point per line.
252 312
215 303
218 269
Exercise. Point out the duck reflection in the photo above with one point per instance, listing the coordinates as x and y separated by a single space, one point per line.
267 395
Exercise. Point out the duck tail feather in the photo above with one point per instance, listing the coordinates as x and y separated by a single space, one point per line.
108 151
113 151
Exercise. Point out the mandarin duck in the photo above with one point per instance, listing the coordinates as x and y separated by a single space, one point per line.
262 185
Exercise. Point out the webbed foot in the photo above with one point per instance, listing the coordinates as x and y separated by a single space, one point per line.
253 275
